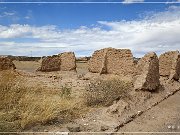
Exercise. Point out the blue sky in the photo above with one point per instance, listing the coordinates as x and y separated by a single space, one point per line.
75 15
47 29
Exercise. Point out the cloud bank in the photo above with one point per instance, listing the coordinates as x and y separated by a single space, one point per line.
157 32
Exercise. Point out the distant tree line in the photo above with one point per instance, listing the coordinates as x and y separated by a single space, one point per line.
24 58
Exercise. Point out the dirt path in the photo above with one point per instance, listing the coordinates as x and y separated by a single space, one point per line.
165 117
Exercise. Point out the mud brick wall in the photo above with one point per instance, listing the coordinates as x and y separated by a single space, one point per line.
120 61
68 61
112 61
169 64
63 62
96 63
6 64
50 63
147 73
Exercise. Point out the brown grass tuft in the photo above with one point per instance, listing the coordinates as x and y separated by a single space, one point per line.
104 92
22 107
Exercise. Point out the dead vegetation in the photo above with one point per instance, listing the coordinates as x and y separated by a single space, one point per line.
21 106
104 92
63 97
27 65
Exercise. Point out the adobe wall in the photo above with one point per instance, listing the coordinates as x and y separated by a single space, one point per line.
112 61
96 63
6 64
147 73
120 61
63 62
169 64
68 61
50 63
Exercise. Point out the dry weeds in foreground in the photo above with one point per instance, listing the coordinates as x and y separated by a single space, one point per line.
21 106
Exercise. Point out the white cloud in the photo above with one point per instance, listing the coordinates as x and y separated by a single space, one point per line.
158 32
7 14
29 15
132 1
172 1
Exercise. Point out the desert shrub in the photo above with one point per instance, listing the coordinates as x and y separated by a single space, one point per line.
22 107
104 92
66 91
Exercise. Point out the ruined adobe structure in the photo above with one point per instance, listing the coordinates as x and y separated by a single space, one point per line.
63 62
96 63
50 63
169 64
112 61
68 61
6 64
147 73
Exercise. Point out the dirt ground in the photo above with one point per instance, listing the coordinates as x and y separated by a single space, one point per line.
144 112
32 66
29 66
162 118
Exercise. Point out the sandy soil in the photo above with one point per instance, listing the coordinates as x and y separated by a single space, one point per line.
28 66
32 66
138 112
162 118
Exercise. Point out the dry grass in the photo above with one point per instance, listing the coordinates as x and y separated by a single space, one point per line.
32 66
104 92
82 68
21 106
27 65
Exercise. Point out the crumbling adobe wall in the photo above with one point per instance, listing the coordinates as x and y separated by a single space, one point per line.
97 61
68 61
63 62
120 61
147 73
169 64
50 63
112 61
6 64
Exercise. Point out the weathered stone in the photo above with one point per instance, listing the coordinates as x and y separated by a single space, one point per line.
50 63
64 130
118 108
169 65
147 73
62 62
112 61
6 64
73 127
104 127
68 61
